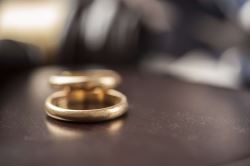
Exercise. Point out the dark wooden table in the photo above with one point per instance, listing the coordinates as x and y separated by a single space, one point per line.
169 123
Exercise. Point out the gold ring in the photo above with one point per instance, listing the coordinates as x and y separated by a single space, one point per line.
86 97
88 79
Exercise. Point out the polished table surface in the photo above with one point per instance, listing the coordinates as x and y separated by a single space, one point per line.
169 123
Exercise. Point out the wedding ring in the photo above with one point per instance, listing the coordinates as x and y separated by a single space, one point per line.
88 79
86 97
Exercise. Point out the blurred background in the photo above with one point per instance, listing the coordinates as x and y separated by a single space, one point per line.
201 41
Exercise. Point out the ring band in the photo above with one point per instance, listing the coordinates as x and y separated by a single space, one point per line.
88 79
84 104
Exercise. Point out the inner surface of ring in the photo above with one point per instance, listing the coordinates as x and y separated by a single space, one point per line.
86 100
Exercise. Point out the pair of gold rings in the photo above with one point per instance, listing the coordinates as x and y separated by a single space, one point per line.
86 96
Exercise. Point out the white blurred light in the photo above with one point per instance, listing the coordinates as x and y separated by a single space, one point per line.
244 16
97 22
29 17
40 23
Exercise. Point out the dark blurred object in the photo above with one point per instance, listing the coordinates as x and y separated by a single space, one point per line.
18 55
104 32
